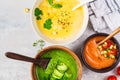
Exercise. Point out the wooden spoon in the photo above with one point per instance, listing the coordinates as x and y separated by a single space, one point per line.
110 35
43 62
80 4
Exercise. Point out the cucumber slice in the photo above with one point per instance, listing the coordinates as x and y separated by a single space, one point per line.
105 52
56 74
68 75
105 55
52 78
112 56
62 67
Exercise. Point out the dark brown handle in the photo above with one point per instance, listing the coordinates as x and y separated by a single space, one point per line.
20 57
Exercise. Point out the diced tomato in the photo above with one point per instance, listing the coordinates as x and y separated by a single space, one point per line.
114 52
109 53
108 46
109 43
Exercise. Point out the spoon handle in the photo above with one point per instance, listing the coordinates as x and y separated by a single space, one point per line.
81 3
110 36
20 57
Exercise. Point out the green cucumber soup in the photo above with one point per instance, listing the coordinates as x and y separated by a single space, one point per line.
62 66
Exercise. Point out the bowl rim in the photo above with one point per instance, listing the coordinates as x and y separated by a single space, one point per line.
79 65
105 69
63 42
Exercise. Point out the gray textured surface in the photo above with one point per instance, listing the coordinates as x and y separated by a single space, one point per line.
17 35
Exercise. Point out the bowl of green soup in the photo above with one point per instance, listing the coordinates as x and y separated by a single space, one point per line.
63 65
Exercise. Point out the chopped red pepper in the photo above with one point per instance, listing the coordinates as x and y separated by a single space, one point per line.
104 47
114 52
109 43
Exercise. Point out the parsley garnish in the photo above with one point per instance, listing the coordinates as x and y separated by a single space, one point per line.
38 13
54 5
48 24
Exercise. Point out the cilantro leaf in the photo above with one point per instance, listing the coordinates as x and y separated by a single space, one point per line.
38 13
57 5
48 24
54 5
50 2
38 17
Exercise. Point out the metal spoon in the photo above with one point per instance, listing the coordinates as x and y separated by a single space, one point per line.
110 35
43 62
81 3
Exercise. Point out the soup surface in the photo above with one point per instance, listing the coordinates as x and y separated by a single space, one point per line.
62 66
102 56
57 21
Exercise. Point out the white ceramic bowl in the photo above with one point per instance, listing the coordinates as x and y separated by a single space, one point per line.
67 41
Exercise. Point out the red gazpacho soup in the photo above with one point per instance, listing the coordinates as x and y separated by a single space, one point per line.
100 56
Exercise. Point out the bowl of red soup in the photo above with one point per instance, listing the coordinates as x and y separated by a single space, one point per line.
100 58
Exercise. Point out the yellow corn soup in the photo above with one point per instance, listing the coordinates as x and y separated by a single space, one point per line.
65 23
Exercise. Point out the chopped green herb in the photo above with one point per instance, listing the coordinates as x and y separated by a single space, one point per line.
48 24
108 49
107 57
57 5
38 18
38 13
54 5
39 43
50 2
